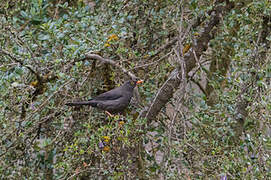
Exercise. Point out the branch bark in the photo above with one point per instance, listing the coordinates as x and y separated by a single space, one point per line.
109 61
166 92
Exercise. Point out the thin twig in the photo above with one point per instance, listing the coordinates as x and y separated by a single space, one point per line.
5 65
155 62
37 124
77 173
181 61
109 61
14 58
166 46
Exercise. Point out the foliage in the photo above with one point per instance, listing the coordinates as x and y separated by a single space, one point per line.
42 46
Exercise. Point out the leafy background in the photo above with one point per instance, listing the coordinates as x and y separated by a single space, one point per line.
217 125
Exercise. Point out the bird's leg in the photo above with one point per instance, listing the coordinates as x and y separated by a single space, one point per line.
109 114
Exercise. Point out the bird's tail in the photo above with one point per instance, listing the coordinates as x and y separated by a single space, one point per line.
80 103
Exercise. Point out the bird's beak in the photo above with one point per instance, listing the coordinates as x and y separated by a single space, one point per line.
139 81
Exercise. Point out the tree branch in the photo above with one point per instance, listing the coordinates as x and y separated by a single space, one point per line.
165 93
14 58
109 61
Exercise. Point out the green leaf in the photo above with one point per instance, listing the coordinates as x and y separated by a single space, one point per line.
43 37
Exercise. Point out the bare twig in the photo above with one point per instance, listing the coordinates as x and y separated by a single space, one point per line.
38 123
12 64
166 46
155 62
21 43
179 55
14 58
79 172
109 61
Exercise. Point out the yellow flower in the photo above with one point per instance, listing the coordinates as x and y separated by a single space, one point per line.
107 45
146 56
106 148
106 139
121 123
186 48
112 37
34 83
196 34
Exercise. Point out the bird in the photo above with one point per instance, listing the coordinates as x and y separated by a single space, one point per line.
113 101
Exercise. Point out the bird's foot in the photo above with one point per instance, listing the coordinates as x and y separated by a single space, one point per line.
109 114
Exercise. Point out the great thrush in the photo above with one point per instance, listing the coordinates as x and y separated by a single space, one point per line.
113 101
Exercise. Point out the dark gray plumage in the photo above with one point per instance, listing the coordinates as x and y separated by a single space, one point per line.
113 101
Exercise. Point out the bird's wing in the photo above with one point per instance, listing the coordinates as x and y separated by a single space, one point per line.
109 95
113 105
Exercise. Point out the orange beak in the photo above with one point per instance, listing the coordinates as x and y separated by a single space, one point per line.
139 81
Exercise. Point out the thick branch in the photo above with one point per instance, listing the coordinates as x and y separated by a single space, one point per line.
166 92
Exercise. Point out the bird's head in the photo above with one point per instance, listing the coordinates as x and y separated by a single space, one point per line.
133 83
